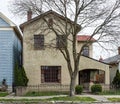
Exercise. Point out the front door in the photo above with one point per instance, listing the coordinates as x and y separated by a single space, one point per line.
91 75
84 78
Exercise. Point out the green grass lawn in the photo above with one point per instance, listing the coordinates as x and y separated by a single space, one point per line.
110 92
3 94
45 93
114 99
81 99
21 101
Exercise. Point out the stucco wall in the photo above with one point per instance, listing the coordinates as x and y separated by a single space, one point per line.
113 70
34 59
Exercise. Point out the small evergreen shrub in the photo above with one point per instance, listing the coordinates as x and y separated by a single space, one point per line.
78 89
116 80
96 88
20 78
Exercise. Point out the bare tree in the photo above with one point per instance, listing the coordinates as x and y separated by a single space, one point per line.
103 14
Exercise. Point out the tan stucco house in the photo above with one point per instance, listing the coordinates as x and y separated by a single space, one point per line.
46 66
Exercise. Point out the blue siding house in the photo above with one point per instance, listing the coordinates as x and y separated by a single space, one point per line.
10 49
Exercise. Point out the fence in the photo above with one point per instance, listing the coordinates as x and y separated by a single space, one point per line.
42 88
105 87
48 87
87 86
110 87
59 88
112 90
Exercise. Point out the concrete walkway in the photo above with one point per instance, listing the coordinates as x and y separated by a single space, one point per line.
36 97
100 98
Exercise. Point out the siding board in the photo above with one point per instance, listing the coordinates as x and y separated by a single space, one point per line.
3 23
8 40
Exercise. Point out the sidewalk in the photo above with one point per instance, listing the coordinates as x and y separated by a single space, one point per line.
102 98
99 98
36 97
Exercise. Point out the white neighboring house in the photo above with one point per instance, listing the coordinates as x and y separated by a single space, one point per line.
114 63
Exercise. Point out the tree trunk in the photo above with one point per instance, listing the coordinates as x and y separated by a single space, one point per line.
72 85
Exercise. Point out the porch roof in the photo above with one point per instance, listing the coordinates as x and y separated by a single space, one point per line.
96 60
92 64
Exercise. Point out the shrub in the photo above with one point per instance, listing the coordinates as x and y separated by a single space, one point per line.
116 80
20 78
96 88
78 89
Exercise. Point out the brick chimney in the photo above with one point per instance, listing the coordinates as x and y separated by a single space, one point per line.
119 50
101 59
29 15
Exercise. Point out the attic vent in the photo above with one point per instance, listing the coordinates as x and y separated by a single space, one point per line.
50 22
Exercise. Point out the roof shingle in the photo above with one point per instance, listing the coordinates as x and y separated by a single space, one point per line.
112 60
85 38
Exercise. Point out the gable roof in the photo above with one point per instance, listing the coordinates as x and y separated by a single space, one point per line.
82 38
12 25
112 60
45 14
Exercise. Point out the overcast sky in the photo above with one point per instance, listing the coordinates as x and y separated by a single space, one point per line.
4 8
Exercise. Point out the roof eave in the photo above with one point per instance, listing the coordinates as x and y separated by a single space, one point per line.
38 17
92 41
96 60
19 33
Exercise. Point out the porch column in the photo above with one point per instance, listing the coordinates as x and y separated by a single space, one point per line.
107 76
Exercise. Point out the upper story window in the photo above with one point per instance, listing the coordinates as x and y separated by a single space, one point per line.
85 51
61 41
39 41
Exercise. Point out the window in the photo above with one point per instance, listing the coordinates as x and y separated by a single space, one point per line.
85 51
39 41
61 41
50 74
100 77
